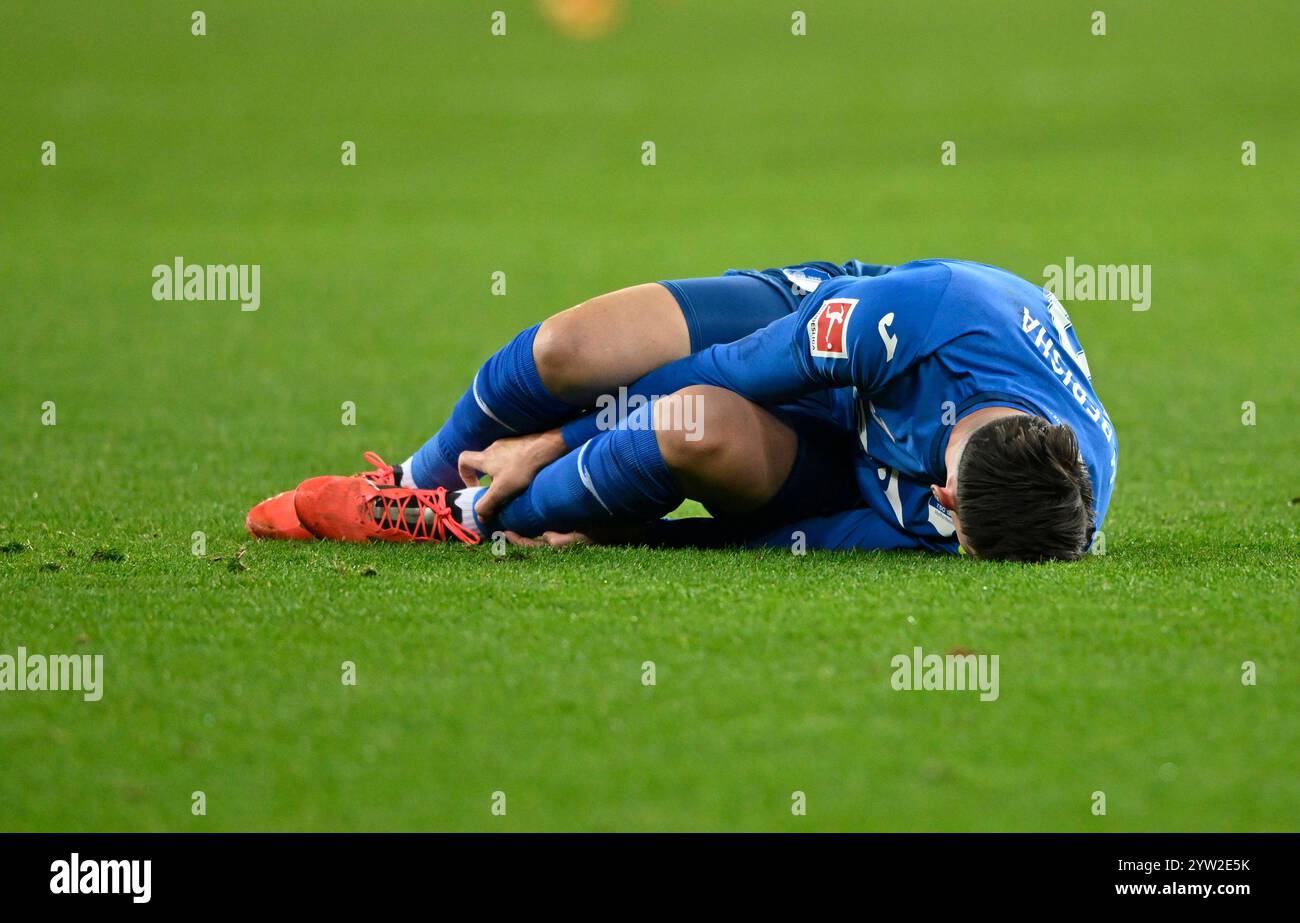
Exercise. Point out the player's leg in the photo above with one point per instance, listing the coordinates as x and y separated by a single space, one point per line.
734 457
551 372
751 466
554 371
759 469
542 376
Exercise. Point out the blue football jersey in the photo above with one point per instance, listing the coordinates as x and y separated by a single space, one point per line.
918 347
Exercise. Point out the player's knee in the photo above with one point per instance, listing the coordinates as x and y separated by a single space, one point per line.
690 426
558 353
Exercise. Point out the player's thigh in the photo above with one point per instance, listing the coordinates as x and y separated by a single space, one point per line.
725 451
615 339
609 340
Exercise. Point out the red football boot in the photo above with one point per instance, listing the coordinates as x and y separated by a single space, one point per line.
355 510
276 518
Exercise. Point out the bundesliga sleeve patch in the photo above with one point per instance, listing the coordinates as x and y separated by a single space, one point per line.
826 331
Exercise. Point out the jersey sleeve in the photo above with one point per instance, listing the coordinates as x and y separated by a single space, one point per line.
867 332
861 529
861 332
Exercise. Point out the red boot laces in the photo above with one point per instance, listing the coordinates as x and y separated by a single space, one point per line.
422 514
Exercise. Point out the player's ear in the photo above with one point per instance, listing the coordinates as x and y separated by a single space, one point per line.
947 496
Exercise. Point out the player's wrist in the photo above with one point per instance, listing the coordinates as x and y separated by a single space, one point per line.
547 447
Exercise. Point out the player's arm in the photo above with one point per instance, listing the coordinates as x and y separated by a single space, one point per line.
860 529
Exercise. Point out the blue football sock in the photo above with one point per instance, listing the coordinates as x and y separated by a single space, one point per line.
658 383
619 475
507 398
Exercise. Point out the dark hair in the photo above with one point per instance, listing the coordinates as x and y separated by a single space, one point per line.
1023 492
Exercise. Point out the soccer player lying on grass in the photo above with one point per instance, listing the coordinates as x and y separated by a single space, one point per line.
940 405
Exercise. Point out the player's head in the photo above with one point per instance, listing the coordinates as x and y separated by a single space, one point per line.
1023 492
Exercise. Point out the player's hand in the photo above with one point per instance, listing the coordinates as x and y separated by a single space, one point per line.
512 463
551 539
608 533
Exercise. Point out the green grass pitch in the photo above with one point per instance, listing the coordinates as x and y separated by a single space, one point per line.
523 154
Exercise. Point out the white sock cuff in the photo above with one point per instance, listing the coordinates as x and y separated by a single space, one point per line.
407 480
462 501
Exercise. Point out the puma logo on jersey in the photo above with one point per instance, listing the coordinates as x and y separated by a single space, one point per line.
891 342
826 331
